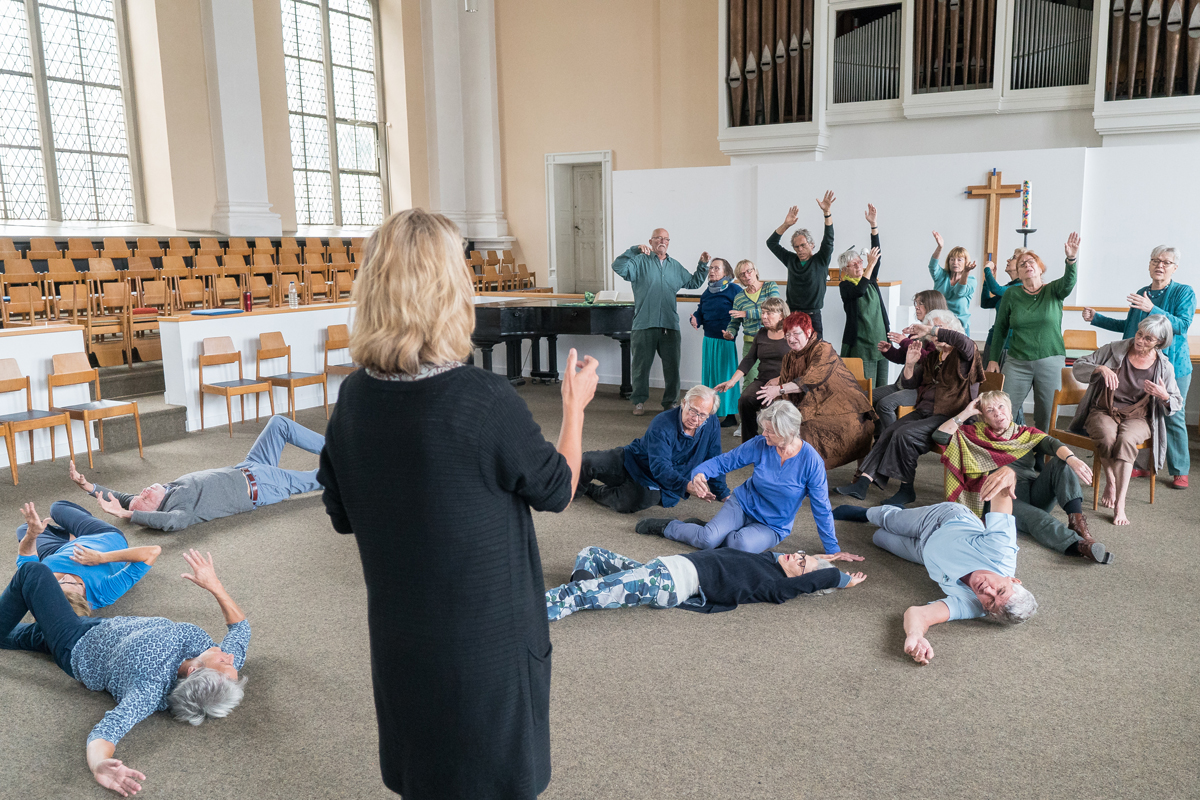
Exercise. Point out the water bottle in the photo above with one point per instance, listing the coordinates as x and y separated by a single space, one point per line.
248 301
293 300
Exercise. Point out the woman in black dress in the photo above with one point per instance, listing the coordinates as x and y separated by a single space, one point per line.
433 466
767 350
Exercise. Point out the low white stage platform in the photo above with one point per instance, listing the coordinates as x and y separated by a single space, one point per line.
304 329
33 348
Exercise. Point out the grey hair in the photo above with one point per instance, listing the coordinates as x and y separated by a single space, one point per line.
847 258
806 234
1020 607
701 391
784 418
943 318
1163 249
205 693
1159 327
823 564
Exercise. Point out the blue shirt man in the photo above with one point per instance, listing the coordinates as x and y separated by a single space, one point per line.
655 468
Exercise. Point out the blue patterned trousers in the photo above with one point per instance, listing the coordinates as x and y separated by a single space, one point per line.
618 582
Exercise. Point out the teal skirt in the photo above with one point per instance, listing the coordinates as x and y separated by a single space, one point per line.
719 360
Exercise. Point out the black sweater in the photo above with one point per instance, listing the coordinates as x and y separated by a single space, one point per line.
729 577
806 279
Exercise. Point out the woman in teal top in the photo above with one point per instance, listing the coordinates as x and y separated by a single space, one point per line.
955 282
1032 312
990 294
91 560
747 310
1176 302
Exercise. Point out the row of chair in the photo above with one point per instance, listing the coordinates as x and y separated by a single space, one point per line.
114 247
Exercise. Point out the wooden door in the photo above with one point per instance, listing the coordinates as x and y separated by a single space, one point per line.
587 211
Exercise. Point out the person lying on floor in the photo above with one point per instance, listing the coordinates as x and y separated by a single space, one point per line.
973 560
994 442
760 513
655 469
147 664
213 493
707 581
90 559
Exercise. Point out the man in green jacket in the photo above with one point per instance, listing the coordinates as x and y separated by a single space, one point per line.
807 271
656 277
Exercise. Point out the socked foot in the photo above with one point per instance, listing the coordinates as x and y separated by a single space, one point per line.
1119 517
857 490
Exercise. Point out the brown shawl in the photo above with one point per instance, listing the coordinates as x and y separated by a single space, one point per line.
838 418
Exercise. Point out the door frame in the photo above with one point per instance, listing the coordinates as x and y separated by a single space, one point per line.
556 162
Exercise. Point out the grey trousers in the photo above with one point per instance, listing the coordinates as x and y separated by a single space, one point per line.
903 531
1044 376
888 400
900 445
1057 484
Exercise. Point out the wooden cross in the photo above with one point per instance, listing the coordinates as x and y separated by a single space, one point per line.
993 193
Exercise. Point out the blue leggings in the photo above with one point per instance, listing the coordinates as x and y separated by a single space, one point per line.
731 527
34 590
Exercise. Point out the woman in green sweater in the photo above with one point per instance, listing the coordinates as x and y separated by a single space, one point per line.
1036 355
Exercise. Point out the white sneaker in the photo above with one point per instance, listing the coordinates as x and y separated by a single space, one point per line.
738 431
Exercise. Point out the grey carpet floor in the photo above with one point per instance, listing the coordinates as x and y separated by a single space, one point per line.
1096 697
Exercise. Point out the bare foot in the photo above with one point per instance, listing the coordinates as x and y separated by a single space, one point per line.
1119 517
1109 498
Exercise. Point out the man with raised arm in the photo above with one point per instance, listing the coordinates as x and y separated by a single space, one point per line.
147 664
807 271
213 493
974 561
656 277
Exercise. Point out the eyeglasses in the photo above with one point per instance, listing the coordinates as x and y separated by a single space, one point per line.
1162 262
660 239
691 412
803 558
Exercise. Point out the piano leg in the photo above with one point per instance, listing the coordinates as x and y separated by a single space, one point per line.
513 357
552 357
535 359
486 351
626 372
536 373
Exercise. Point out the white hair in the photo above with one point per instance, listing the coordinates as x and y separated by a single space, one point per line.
205 693
806 234
784 418
1163 250
1020 607
1157 326
847 258
700 391
943 319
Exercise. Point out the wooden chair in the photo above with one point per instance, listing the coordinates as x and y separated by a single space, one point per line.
236 267
115 248
509 277
1071 396
81 248
490 279
343 280
150 248
8 250
855 365
1080 340
337 337
43 249
219 350
29 420
72 369
356 246
314 247
289 246
528 279
283 285
109 315
24 306
210 247
289 260
315 284
476 279
238 247
152 298
271 346
206 268
174 271
26 290
180 246
337 248
262 279
68 290
263 247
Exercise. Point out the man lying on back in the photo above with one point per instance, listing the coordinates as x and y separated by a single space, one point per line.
222 492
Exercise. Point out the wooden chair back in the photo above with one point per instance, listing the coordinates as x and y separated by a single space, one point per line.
528 279
70 369
43 248
336 247
855 365
8 249
191 292
116 248
263 247
180 246
81 248
11 380
24 301
313 247
288 244
490 278
20 272
151 248
992 382
289 260
271 345
210 247
102 269
1080 340
173 266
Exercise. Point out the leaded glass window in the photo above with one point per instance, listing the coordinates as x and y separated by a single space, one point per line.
329 59
74 165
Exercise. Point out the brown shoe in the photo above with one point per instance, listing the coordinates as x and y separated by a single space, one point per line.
1087 547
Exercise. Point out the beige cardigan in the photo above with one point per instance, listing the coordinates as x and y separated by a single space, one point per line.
1112 356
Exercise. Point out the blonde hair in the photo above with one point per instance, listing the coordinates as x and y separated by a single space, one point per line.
995 397
413 295
79 604
954 253
737 271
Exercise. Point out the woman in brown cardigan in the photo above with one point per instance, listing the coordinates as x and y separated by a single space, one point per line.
838 420
946 380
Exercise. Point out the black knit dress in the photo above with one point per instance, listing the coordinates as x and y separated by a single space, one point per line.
435 478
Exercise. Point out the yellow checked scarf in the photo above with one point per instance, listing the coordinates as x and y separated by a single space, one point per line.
974 452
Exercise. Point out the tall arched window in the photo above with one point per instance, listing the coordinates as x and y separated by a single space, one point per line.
64 153
329 57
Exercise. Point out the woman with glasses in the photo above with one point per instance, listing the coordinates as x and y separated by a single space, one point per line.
719 353
1131 393
746 314
838 420
1177 302
707 581
766 355
866 315
759 514
1036 354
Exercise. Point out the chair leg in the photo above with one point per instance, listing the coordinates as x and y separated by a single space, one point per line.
1153 480
271 397
243 397
202 412
229 413
137 422
325 392
87 438
51 429
12 453
292 403
100 425
70 443
31 446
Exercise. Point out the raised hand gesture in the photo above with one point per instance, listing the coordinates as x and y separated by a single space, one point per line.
111 773
1071 248
204 574
1089 314
579 380
872 258
937 237
793 214
826 202
913 355
883 347
871 214
704 257
895 336
1156 390
113 506
644 249
1140 302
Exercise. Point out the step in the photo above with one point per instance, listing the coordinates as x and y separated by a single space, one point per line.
144 379
161 422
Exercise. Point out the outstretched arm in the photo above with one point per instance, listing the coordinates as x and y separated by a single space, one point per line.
34 525
204 575
917 622
110 772
134 555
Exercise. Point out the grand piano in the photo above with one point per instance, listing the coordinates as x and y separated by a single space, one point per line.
511 319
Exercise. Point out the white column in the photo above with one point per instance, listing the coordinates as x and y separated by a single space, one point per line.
462 114
235 114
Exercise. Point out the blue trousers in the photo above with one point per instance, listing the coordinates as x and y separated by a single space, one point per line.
619 582
1179 458
274 484
731 527
70 520
34 590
